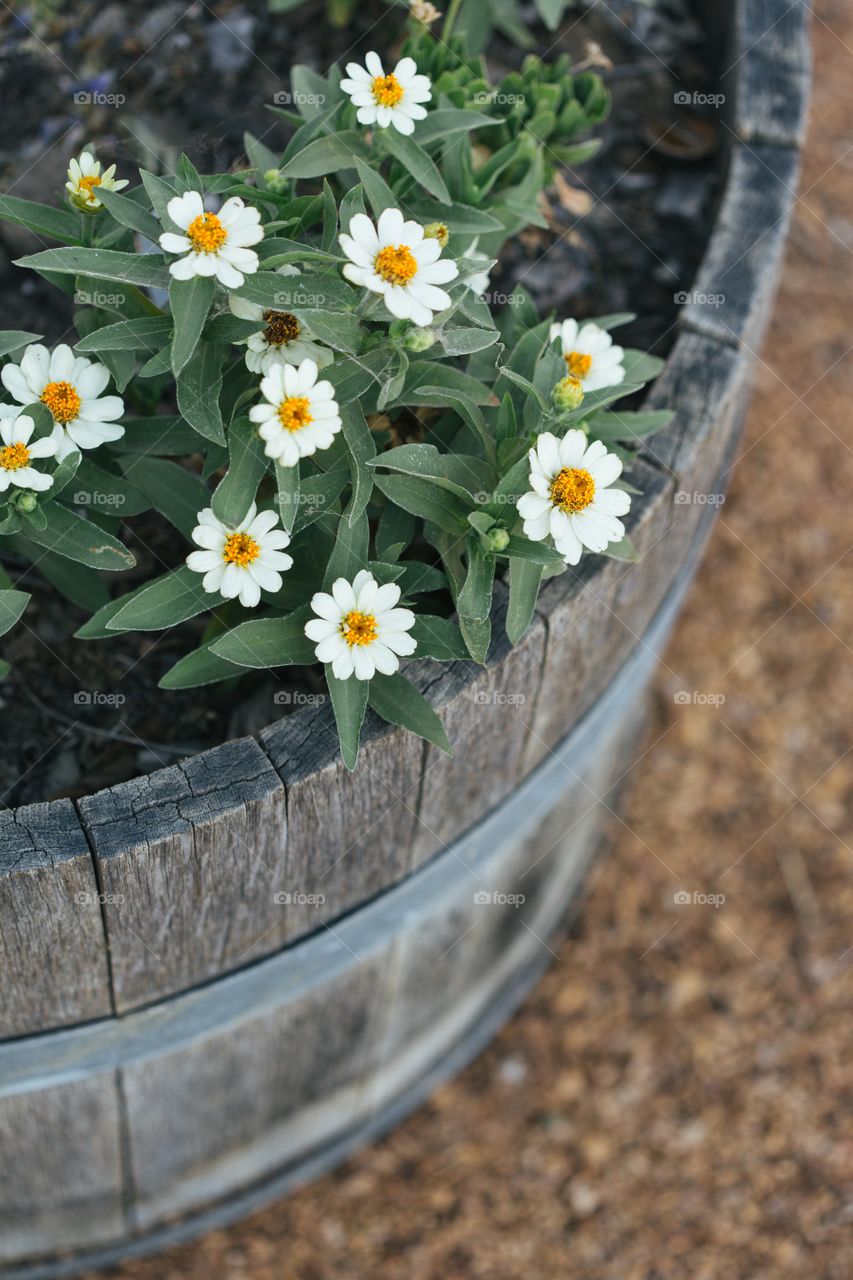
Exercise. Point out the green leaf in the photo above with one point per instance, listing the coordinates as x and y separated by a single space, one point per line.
425 499
447 121
11 340
287 491
145 269
525 578
376 189
190 301
102 491
329 154
200 667
528 387
248 464
148 333
478 635
438 638
130 214
464 342
396 700
56 224
623 550
262 643
361 447
475 599
77 539
608 427
535 552
461 474
178 494
158 435
349 703
198 387
172 599
12 605
417 163
349 553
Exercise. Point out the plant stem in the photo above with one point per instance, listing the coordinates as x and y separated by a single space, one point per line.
450 20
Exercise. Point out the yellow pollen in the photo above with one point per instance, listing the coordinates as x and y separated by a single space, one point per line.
14 456
206 233
240 549
359 628
387 91
87 184
63 401
395 264
294 413
281 328
577 363
572 489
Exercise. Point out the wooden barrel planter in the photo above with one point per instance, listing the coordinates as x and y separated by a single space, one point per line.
220 978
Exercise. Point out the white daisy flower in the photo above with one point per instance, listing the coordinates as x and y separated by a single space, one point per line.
71 388
395 259
281 338
589 354
569 496
214 244
392 99
16 455
243 561
84 177
299 415
359 630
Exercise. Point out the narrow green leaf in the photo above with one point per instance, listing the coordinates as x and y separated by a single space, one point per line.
248 464
200 667
418 163
190 301
173 599
349 703
396 700
77 539
178 494
11 340
525 578
130 214
56 224
198 385
148 333
438 638
262 643
145 269
12 605
361 447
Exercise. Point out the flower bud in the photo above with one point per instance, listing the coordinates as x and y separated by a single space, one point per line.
568 393
418 340
274 180
26 502
497 538
83 205
437 231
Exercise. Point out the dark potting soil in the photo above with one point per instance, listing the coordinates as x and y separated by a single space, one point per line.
626 233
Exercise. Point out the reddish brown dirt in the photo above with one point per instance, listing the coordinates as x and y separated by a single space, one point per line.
669 1103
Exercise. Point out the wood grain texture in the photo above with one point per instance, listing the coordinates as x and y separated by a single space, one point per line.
190 859
53 963
61 1173
255 1094
771 69
732 294
486 712
350 834
597 612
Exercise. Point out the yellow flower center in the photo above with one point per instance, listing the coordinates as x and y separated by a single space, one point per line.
359 628
63 400
86 185
572 489
577 363
396 264
294 413
240 549
387 91
14 456
281 328
206 233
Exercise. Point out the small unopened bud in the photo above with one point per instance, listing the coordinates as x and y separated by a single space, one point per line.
419 339
498 538
437 231
81 203
568 393
26 502
423 11
274 180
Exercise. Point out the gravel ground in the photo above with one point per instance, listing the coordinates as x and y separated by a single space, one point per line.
669 1103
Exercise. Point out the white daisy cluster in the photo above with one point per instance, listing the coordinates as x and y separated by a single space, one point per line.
240 562
85 179
395 259
71 387
570 497
213 244
298 415
590 354
17 452
359 629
